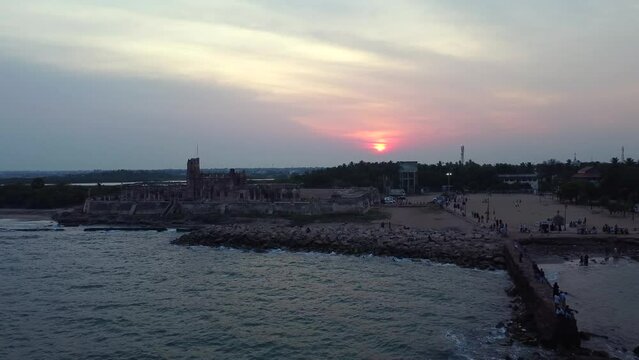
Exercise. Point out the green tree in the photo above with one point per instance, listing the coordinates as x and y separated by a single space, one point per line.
569 191
37 183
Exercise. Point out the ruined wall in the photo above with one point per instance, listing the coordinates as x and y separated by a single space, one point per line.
106 207
201 208
150 207
160 208
298 208
99 207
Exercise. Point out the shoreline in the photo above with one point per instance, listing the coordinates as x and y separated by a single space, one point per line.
478 249
29 214
439 235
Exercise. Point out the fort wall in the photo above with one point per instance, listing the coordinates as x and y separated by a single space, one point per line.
230 194
161 208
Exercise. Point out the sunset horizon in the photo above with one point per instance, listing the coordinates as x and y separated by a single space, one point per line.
266 83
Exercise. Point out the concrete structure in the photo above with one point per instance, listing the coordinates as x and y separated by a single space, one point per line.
408 176
530 179
538 297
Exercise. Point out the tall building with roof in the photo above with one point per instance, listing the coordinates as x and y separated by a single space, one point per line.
408 176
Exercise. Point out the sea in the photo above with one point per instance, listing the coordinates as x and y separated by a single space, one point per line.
73 294
605 294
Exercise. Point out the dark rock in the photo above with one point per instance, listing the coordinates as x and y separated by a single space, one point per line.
511 291
500 325
499 260
600 353
636 351
583 351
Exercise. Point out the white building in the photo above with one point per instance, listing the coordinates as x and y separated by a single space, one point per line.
530 179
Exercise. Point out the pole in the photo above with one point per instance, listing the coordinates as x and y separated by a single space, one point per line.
565 216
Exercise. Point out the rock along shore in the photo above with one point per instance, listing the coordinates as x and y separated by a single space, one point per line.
475 250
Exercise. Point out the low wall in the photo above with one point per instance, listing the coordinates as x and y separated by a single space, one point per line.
298 208
114 207
537 296
109 207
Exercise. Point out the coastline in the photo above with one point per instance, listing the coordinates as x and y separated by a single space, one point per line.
28 214
439 235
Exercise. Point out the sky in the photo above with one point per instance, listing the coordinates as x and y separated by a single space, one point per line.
279 83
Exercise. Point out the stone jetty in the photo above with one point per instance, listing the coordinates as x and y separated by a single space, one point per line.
475 249
537 295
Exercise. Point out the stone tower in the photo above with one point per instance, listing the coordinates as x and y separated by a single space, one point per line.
194 178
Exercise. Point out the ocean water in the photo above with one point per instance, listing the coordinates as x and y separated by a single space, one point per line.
605 293
102 295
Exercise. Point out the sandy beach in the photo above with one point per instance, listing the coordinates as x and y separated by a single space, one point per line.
529 210
513 209
428 217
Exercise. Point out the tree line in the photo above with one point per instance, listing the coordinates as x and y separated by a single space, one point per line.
38 196
618 188
619 183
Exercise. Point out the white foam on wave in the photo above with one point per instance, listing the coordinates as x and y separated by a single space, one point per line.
460 343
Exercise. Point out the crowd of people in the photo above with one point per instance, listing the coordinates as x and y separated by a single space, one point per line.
606 229
578 223
499 226
523 228
459 202
549 226
617 230
561 308
540 275
559 297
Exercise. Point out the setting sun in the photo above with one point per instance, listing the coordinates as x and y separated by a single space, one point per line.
380 147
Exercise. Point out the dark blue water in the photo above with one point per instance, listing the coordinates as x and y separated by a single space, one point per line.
76 294
605 293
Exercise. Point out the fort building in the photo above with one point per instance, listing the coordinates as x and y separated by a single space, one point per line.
231 193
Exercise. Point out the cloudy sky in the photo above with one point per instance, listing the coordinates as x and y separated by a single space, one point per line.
141 84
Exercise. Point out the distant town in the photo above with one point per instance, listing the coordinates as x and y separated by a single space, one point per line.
613 184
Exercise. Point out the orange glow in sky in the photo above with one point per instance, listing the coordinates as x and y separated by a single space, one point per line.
378 141
380 147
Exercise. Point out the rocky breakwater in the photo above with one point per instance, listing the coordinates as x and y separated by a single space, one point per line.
475 249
